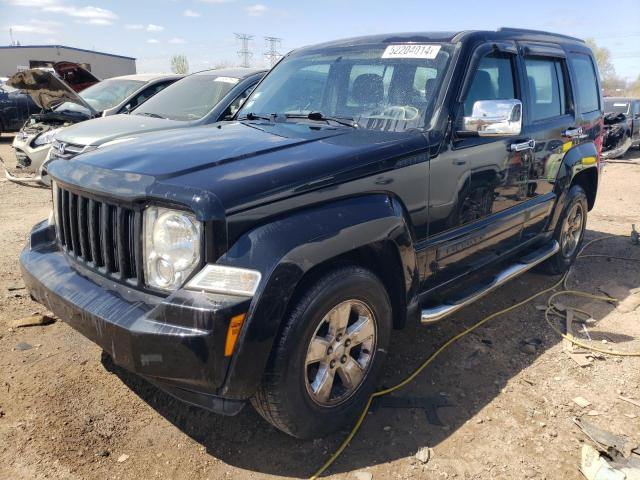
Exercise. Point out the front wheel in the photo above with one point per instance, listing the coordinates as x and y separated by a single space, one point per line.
569 232
325 364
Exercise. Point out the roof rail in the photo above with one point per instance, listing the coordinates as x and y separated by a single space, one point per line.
539 32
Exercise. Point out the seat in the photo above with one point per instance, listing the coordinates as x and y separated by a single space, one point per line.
482 88
368 90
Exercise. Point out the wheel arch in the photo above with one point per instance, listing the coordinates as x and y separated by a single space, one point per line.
372 231
579 166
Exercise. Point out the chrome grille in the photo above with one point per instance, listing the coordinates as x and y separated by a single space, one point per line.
65 150
103 236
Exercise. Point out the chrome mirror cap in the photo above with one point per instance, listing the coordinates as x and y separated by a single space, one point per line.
494 118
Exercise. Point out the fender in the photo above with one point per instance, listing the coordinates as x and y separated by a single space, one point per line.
577 159
284 250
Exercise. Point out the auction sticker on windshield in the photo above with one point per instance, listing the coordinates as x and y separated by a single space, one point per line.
412 50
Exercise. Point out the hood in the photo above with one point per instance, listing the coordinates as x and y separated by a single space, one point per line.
104 129
241 164
47 89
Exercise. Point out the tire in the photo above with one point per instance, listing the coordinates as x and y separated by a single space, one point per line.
562 261
287 397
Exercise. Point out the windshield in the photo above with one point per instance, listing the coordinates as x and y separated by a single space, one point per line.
379 87
188 99
611 106
109 93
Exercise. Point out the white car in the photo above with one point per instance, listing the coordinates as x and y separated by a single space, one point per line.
63 107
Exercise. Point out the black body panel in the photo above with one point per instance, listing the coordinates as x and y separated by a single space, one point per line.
287 198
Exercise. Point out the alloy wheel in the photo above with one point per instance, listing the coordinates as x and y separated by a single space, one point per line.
572 231
340 353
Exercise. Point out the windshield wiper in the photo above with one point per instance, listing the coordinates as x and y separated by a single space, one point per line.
319 116
151 114
255 116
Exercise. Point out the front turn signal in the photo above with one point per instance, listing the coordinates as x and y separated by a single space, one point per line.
232 333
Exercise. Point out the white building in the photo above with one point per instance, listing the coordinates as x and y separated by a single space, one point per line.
102 65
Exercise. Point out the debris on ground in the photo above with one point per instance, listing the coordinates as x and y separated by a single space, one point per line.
15 287
22 346
32 321
424 454
530 345
615 446
594 467
581 402
630 400
123 458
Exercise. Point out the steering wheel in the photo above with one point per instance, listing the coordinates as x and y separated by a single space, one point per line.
406 112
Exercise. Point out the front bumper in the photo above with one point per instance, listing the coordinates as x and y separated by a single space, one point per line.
176 342
31 158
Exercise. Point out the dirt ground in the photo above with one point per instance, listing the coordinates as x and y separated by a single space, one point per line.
506 405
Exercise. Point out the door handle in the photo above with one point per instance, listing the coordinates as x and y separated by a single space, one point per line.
573 132
519 147
459 162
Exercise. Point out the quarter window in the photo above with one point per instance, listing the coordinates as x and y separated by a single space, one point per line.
546 87
493 80
585 76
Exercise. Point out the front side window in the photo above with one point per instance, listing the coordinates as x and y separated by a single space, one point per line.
585 77
378 87
492 80
188 99
546 87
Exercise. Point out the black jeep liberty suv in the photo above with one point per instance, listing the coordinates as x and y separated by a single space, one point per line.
365 183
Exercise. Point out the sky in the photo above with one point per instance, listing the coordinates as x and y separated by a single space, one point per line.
203 30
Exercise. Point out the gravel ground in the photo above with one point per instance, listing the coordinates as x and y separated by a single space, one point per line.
67 413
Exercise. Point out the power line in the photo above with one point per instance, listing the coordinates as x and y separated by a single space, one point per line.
244 53
272 54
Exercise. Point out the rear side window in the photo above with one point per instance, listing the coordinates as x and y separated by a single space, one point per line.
585 77
493 80
546 87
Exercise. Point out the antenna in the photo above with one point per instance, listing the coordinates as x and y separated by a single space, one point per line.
272 54
244 53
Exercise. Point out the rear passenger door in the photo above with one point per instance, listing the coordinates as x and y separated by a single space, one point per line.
550 121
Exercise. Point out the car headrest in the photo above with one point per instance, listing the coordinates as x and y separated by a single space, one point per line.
368 88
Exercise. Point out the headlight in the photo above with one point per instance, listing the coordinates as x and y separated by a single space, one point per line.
46 137
171 246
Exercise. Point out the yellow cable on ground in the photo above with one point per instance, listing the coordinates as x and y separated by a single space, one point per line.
448 343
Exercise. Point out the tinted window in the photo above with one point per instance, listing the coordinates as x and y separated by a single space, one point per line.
546 87
585 77
493 80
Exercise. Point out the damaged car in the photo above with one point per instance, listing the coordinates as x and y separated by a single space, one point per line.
621 126
198 99
62 106
15 108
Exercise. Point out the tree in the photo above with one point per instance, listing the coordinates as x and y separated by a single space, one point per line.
180 64
603 58
612 84
634 88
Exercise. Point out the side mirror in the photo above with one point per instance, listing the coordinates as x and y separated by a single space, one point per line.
495 118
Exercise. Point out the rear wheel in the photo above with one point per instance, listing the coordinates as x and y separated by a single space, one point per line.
325 364
569 232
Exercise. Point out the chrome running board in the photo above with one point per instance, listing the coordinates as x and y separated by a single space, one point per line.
437 313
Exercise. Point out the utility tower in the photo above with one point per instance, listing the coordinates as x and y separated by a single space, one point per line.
272 54
244 53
